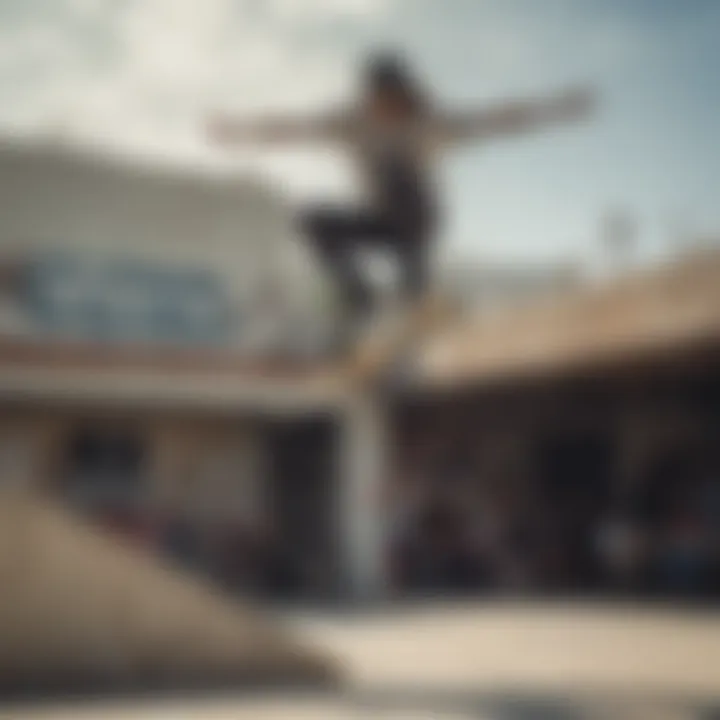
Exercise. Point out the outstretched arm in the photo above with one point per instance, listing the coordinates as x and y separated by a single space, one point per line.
518 116
225 130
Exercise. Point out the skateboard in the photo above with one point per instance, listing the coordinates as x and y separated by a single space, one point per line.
387 352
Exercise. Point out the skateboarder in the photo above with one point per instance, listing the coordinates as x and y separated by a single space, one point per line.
395 133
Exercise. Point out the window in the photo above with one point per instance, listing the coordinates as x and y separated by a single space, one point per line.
105 466
122 300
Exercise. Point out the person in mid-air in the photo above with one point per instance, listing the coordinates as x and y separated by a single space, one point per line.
395 133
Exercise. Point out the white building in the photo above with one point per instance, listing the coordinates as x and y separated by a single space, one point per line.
139 309
112 250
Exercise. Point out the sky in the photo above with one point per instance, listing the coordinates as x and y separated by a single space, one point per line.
139 75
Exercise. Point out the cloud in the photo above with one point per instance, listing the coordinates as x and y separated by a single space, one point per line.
140 75
311 10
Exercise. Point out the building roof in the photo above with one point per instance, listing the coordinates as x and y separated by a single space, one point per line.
674 306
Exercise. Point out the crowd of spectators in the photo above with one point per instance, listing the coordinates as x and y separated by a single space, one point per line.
459 525
457 528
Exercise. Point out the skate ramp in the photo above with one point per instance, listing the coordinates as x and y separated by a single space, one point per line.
80 612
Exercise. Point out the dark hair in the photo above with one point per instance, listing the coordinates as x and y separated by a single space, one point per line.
387 72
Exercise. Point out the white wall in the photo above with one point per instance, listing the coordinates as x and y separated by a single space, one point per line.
60 199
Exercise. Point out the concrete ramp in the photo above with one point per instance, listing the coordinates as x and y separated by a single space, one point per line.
79 611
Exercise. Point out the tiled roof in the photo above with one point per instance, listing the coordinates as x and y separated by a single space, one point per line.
671 307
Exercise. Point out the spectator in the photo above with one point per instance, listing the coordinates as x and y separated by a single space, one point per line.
619 546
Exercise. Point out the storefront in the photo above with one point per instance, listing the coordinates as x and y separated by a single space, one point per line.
570 447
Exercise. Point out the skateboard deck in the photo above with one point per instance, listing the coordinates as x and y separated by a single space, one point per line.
388 349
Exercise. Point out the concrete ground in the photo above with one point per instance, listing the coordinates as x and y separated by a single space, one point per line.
482 662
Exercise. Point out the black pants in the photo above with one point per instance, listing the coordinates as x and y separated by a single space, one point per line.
338 234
